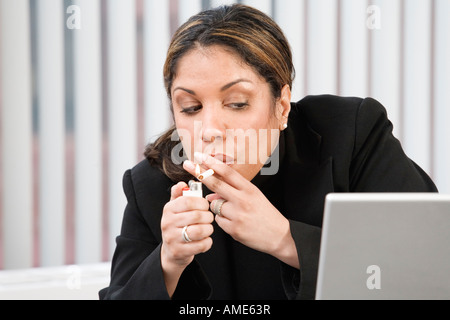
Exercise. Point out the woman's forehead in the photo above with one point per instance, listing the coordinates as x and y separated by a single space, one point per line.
213 66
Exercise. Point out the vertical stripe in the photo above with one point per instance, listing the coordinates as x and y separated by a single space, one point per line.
16 134
187 8
35 158
140 125
339 38
416 78
353 62
105 129
1 147
385 59
441 95
122 105
156 42
431 66
69 90
290 16
321 47
401 69
88 133
263 5
50 75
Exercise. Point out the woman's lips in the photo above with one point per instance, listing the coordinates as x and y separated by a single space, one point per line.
224 158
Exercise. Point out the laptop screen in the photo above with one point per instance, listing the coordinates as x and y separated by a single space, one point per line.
385 246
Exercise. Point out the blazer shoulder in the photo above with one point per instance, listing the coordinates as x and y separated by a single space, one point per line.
147 182
328 99
323 112
326 105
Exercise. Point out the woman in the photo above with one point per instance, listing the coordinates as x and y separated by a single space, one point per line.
256 234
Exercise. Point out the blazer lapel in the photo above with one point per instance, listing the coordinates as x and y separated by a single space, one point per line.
307 178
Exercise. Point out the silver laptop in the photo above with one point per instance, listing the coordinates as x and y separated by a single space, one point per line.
385 246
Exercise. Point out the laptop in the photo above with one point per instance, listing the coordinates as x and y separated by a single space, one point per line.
387 246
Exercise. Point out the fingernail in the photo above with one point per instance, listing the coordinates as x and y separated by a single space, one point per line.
188 165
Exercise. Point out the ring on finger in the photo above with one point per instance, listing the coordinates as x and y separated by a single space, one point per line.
217 208
185 235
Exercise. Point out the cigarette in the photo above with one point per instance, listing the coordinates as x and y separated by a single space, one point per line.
208 173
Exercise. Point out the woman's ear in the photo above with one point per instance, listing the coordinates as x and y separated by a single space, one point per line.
284 106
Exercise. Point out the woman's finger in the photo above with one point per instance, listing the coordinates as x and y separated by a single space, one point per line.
197 232
218 207
213 196
228 174
182 250
183 204
177 190
213 183
193 217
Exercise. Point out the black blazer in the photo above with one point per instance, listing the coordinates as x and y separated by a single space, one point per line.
332 144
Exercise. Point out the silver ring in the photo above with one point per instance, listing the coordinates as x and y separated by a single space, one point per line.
217 209
185 235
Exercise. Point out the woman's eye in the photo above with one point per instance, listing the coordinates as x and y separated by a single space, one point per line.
191 110
240 105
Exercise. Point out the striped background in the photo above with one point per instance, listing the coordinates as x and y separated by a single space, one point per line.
77 106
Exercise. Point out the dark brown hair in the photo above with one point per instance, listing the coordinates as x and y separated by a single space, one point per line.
250 33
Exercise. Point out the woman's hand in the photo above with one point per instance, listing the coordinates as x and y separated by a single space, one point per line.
247 215
176 252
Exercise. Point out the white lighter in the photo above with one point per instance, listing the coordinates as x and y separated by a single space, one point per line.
195 188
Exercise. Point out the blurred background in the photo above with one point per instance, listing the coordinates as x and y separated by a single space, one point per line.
81 94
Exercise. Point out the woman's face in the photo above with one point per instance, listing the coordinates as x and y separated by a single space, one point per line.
223 108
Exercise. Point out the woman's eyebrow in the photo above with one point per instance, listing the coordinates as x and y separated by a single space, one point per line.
184 89
228 86
225 87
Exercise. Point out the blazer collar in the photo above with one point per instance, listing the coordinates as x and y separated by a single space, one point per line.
307 178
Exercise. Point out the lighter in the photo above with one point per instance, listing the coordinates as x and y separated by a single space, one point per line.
195 187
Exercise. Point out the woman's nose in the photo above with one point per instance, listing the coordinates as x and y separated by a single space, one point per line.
212 127
211 134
